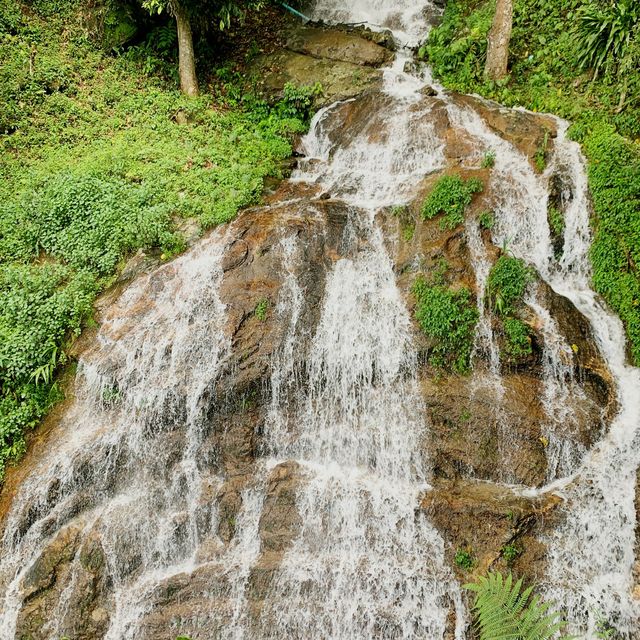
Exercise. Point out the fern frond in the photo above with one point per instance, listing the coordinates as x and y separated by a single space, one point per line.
503 611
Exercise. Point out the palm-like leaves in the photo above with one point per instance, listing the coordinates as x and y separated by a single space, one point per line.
504 612
605 33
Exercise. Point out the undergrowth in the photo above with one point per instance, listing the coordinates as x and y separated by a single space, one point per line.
101 158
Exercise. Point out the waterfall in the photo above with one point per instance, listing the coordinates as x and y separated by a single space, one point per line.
364 563
132 469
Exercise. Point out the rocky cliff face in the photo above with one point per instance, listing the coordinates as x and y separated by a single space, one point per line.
210 453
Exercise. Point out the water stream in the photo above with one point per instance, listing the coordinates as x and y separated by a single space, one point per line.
365 561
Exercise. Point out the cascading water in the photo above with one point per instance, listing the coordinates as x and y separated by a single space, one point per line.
344 409
364 564
591 555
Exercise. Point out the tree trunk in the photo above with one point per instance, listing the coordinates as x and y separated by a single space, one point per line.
498 42
186 56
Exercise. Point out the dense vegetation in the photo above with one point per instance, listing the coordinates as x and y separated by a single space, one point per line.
449 318
579 59
101 156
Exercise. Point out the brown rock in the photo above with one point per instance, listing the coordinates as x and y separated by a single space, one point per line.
339 46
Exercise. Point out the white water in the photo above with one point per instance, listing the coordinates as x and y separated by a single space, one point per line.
365 562
152 372
405 18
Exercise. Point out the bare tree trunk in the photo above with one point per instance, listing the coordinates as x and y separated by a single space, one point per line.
186 56
499 37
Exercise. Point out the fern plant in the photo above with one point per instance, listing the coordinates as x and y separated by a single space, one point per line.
504 612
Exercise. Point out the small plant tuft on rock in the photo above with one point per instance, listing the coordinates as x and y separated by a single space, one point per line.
451 196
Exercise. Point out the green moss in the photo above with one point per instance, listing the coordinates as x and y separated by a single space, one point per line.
510 552
451 196
556 221
448 317
486 220
261 309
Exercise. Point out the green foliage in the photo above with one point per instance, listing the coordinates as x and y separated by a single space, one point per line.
510 552
464 559
506 284
261 309
518 338
614 177
449 318
503 610
458 46
605 33
489 159
98 162
451 196
486 220
298 100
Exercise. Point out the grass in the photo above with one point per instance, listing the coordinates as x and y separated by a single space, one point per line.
546 74
101 157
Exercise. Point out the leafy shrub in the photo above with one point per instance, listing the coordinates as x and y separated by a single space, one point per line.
503 610
451 196
518 338
458 46
449 318
506 284
298 100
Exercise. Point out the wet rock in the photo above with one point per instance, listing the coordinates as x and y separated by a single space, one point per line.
338 46
497 528
476 433
529 132
75 565
339 80
428 91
